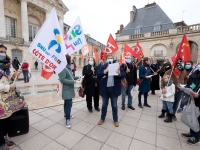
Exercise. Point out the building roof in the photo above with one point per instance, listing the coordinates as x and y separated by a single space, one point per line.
146 18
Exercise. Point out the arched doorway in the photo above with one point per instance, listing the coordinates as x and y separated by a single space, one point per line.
193 49
17 53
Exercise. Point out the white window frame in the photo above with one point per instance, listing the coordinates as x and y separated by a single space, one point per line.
137 31
158 52
157 28
33 33
10 26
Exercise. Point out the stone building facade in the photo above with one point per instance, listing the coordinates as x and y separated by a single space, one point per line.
158 36
20 20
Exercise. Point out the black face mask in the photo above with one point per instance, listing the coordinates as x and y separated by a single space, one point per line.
179 65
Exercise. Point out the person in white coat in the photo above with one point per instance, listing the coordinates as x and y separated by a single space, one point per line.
167 99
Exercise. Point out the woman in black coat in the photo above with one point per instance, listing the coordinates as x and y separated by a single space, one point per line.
91 84
155 81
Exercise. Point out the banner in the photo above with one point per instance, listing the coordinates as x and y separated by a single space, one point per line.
111 46
75 38
85 50
48 45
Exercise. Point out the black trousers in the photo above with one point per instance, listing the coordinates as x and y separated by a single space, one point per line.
96 100
3 129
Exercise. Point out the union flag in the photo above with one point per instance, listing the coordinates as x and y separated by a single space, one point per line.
138 50
111 46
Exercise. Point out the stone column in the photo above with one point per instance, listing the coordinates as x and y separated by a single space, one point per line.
24 19
61 24
47 14
2 20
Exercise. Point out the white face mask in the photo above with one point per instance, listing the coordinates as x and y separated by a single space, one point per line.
2 56
90 62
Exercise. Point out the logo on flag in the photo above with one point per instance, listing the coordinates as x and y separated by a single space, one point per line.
111 46
46 72
56 42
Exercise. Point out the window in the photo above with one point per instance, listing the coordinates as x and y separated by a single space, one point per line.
80 52
10 24
32 31
17 53
79 62
157 28
137 31
158 53
84 62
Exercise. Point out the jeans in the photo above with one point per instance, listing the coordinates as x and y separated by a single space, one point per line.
127 89
196 135
109 94
145 97
168 106
96 100
26 78
177 98
67 108
3 129
181 106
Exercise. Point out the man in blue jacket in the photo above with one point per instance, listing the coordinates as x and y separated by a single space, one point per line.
110 87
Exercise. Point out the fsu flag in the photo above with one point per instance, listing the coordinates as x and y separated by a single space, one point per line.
111 46
85 50
129 51
95 55
103 55
46 72
138 50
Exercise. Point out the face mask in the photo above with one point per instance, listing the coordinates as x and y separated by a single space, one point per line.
187 66
90 62
128 60
110 61
198 67
2 56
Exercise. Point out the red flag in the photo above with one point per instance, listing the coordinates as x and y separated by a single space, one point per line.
46 72
176 72
120 59
95 55
85 50
103 55
183 52
138 50
129 51
111 45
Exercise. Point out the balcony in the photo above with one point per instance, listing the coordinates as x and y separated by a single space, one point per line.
170 32
15 40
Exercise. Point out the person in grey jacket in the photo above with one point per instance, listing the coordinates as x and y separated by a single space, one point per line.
67 79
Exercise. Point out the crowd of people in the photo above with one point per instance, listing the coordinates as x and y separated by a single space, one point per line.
98 83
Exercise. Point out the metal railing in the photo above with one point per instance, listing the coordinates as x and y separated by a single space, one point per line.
15 40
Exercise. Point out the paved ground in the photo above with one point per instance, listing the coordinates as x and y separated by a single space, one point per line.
138 130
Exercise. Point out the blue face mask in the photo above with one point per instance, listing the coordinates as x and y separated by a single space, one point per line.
128 60
187 66
198 67
110 61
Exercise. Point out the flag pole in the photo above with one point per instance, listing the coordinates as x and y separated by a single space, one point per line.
170 76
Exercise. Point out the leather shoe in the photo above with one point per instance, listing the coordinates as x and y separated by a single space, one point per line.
131 107
100 122
123 107
90 110
116 124
147 105
97 109
139 105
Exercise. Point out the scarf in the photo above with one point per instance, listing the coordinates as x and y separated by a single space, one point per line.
4 67
169 84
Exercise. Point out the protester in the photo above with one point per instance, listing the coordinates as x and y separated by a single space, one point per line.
131 79
67 79
155 80
73 67
194 79
16 64
36 65
91 84
166 66
5 86
110 87
25 71
188 67
179 79
167 98
144 88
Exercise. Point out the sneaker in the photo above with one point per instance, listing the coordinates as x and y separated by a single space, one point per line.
123 107
4 147
8 141
193 141
68 124
131 107
186 135
71 117
116 124
179 110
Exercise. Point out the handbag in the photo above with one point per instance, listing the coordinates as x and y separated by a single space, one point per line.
190 115
80 91
11 102
139 81
123 83
185 98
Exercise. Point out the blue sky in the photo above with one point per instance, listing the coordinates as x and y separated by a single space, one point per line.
102 17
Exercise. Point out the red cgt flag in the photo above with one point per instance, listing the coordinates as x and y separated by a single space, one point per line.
46 72
111 46
103 55
95 55
129 51
138 50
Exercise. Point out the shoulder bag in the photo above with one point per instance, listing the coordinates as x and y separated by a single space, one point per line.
139 81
